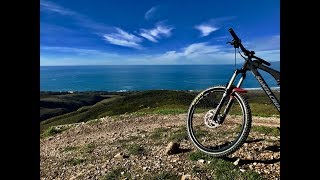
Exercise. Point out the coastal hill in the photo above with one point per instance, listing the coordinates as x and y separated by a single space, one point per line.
125 135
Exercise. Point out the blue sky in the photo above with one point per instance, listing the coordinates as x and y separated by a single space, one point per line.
120 32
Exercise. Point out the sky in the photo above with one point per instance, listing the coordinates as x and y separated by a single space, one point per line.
155 32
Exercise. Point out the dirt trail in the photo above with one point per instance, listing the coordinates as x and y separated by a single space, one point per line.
86 150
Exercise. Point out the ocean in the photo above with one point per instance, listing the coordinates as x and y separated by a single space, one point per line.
143 77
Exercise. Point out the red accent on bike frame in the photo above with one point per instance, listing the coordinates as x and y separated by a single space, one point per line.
239 90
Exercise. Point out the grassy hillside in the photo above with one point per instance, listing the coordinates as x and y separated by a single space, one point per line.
142 102
130 102
55 103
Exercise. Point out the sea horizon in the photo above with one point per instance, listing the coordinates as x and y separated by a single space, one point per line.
238 64
123 78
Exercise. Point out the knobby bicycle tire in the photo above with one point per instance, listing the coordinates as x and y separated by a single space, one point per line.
239 121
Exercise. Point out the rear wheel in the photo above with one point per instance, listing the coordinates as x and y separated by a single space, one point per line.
209 136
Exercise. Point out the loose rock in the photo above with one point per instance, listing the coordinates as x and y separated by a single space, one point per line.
186 177
172 148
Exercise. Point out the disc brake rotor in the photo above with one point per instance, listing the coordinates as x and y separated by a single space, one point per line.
209 121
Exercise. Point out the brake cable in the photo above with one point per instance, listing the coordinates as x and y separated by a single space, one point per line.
241 54
235 58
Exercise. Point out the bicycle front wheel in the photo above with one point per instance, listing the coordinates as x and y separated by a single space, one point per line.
223 139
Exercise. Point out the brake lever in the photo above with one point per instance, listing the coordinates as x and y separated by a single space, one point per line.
235 43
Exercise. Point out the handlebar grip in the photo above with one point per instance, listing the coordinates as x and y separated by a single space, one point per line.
233 34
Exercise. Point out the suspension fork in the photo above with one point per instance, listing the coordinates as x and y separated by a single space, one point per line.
230 89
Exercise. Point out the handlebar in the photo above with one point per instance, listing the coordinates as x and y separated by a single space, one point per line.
237 43
233 34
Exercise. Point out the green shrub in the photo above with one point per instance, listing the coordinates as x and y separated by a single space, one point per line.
179 135
75 161
115 174
135 149
165 176
158 133
53 130
266 130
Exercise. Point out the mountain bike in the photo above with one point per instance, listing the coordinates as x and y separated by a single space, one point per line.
219 118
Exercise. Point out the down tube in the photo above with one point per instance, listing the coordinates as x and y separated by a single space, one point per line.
266 89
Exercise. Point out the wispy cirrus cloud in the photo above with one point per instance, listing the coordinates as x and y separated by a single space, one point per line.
214 24
205 30
195 50
156 33
122 38
50 6
206 53
201 49
62 49
265 43
80 19
151 13
61 55
196 53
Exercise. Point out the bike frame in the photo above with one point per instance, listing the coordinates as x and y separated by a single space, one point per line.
252 66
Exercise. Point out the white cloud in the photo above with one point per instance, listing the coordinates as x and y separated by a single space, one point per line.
50 6
148 36
78 18
205 53
264 43
197 53
156 33
214 24
79 51
206 29
269 55
123 38
59 55
150 13
200 49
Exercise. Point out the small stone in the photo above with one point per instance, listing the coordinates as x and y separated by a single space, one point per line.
175 160
242 170
236 162
186 177
172 148
122 173
201 161
145 168
209 162
254 163
120 155
144 157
